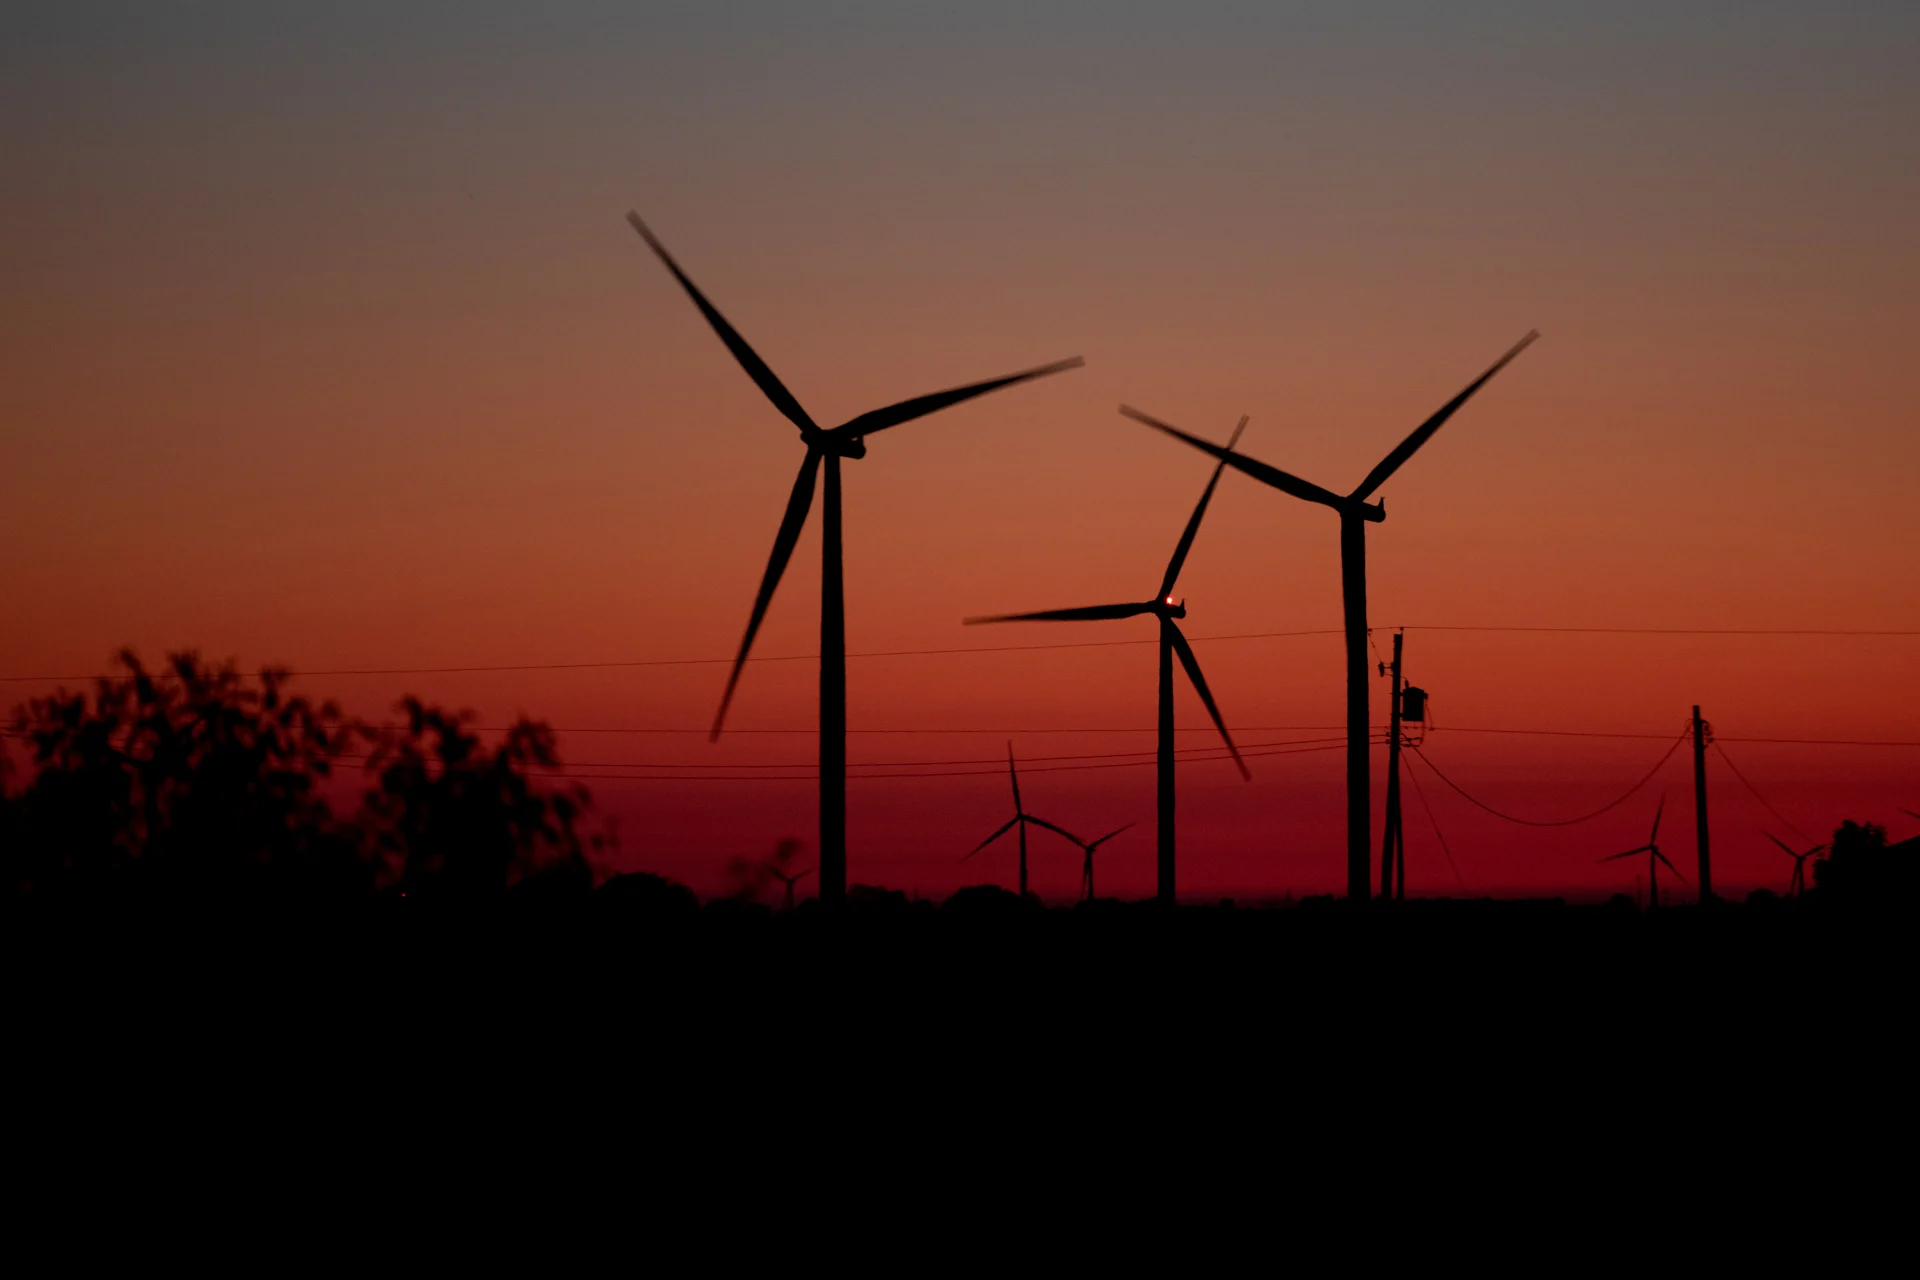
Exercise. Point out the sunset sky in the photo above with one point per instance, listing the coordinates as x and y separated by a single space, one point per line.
323 342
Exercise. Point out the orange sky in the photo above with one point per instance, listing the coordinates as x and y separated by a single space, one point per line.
328 345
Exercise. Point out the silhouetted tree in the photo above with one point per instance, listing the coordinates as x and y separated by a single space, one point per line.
452 818
1860 865
642 895
188 780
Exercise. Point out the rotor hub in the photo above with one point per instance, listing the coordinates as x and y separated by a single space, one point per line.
836 445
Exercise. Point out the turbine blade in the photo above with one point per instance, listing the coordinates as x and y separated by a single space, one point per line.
749 359
1089 613
1193 523
1784 846
1631 853
1669 866
1192 665
800 875
995 836
1015 775
920 406
1660 809
1421 434
1281 480
1910 813
1110 835
1059 831
799 502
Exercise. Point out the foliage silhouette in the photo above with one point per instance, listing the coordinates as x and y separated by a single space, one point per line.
1860 866
192 782
645 895
451 818
183 781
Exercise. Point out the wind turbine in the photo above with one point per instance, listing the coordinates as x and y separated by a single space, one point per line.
1086 869
1172 642
789 881
828 445
1355 514
1798 884
1021 818
1655 858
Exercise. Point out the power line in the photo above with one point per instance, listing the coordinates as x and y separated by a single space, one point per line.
1421 794
1096 730
1678 631
1268 728
1551 733
866 777
1757 796
477 669
702 662
1832 742
1566 822
1193 754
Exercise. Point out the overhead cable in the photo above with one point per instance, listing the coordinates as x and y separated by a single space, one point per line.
1563 822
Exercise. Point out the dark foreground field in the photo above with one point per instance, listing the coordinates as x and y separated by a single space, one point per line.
646 1048
655 979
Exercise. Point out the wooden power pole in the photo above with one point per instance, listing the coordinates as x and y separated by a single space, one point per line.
1700 731
1390 839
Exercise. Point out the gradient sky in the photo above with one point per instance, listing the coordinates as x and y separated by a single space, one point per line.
323 341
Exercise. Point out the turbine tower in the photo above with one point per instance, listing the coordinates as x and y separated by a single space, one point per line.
1163 607
1021 819
1086 868
1655 858
824 446
1355 514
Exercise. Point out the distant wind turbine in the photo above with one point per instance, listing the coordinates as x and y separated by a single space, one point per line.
1086 869
1355 514
829 445
1172 642
1798 884
789 881
1021 819
1655 858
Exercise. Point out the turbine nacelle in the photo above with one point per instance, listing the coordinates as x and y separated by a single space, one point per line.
1168 608
836 444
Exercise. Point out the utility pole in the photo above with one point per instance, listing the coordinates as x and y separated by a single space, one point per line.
1701 734
1390 837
